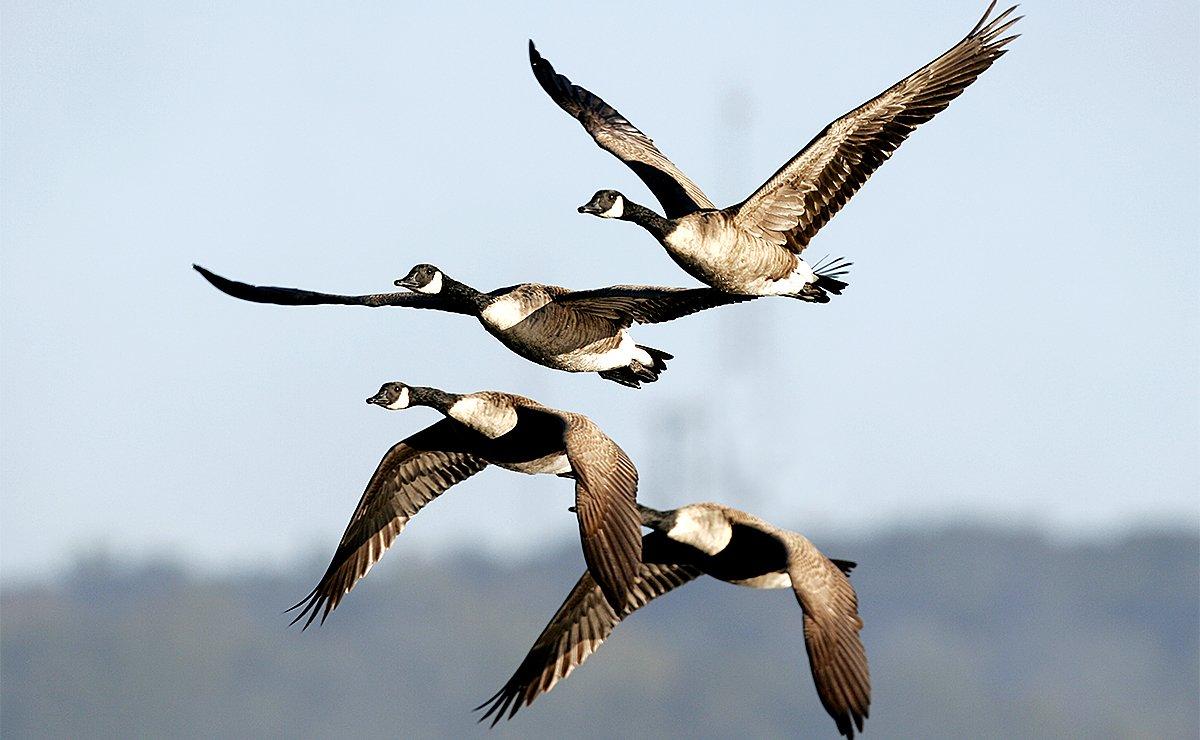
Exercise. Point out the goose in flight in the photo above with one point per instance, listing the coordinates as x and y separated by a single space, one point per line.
579 331
755 247
732 546
481 429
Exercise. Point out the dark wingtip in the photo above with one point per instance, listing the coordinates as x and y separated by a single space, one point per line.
845 566
308 611
496 702
215 280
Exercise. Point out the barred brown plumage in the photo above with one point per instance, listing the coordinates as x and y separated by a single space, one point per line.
754 247
575 331
729 545
481 429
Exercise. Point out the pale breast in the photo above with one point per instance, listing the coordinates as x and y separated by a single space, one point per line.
510 310
485 415
706 530
557 335
712 249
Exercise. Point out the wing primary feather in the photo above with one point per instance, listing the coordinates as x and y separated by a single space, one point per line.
576 631
804 194
615 134
413 473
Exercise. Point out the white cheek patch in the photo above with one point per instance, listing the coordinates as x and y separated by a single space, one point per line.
401 401
433 286
616 210
708 532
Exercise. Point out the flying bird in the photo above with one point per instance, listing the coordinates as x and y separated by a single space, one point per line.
579 331
732 546
755 247
481 429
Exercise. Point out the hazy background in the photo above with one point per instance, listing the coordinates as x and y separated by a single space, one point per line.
1018 350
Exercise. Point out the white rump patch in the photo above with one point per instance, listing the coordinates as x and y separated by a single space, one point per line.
624 353
484 416
705 530
401 401
794 283
616 210
509 311
433 286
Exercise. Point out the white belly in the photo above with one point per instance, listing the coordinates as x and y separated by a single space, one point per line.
770 580
509 311
548 465
794 283
620 356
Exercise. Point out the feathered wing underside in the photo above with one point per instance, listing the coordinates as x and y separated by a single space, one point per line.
578 628
614 133
805 193
606 505
831 625
299 297
644 304
411 474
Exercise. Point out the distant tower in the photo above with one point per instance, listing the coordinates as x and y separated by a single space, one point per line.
687 467
743 334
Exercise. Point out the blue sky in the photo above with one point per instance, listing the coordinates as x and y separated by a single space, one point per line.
1019 343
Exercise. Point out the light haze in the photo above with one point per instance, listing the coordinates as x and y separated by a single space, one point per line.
1019 342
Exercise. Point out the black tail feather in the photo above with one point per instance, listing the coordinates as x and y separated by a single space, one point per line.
636 373
844 566
829 273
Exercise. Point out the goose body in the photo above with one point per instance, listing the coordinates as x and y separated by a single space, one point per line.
575 331
533 321
710 248
732 546
755 247
481 429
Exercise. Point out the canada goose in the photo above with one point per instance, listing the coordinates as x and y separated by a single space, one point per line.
480 429
578 331
732 546
754 247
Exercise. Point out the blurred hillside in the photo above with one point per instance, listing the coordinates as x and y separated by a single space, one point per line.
970 632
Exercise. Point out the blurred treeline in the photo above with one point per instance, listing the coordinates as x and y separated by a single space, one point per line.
971 632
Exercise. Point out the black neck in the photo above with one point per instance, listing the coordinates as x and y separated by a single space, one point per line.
432 397
647 219
462 294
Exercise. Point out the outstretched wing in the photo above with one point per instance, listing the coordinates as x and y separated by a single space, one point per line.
805 193
831 625
580 625
298 297
646 304
678 195
606 505
411 474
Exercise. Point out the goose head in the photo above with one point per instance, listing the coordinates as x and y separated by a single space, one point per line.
605 204
655 519
423 278
393 396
